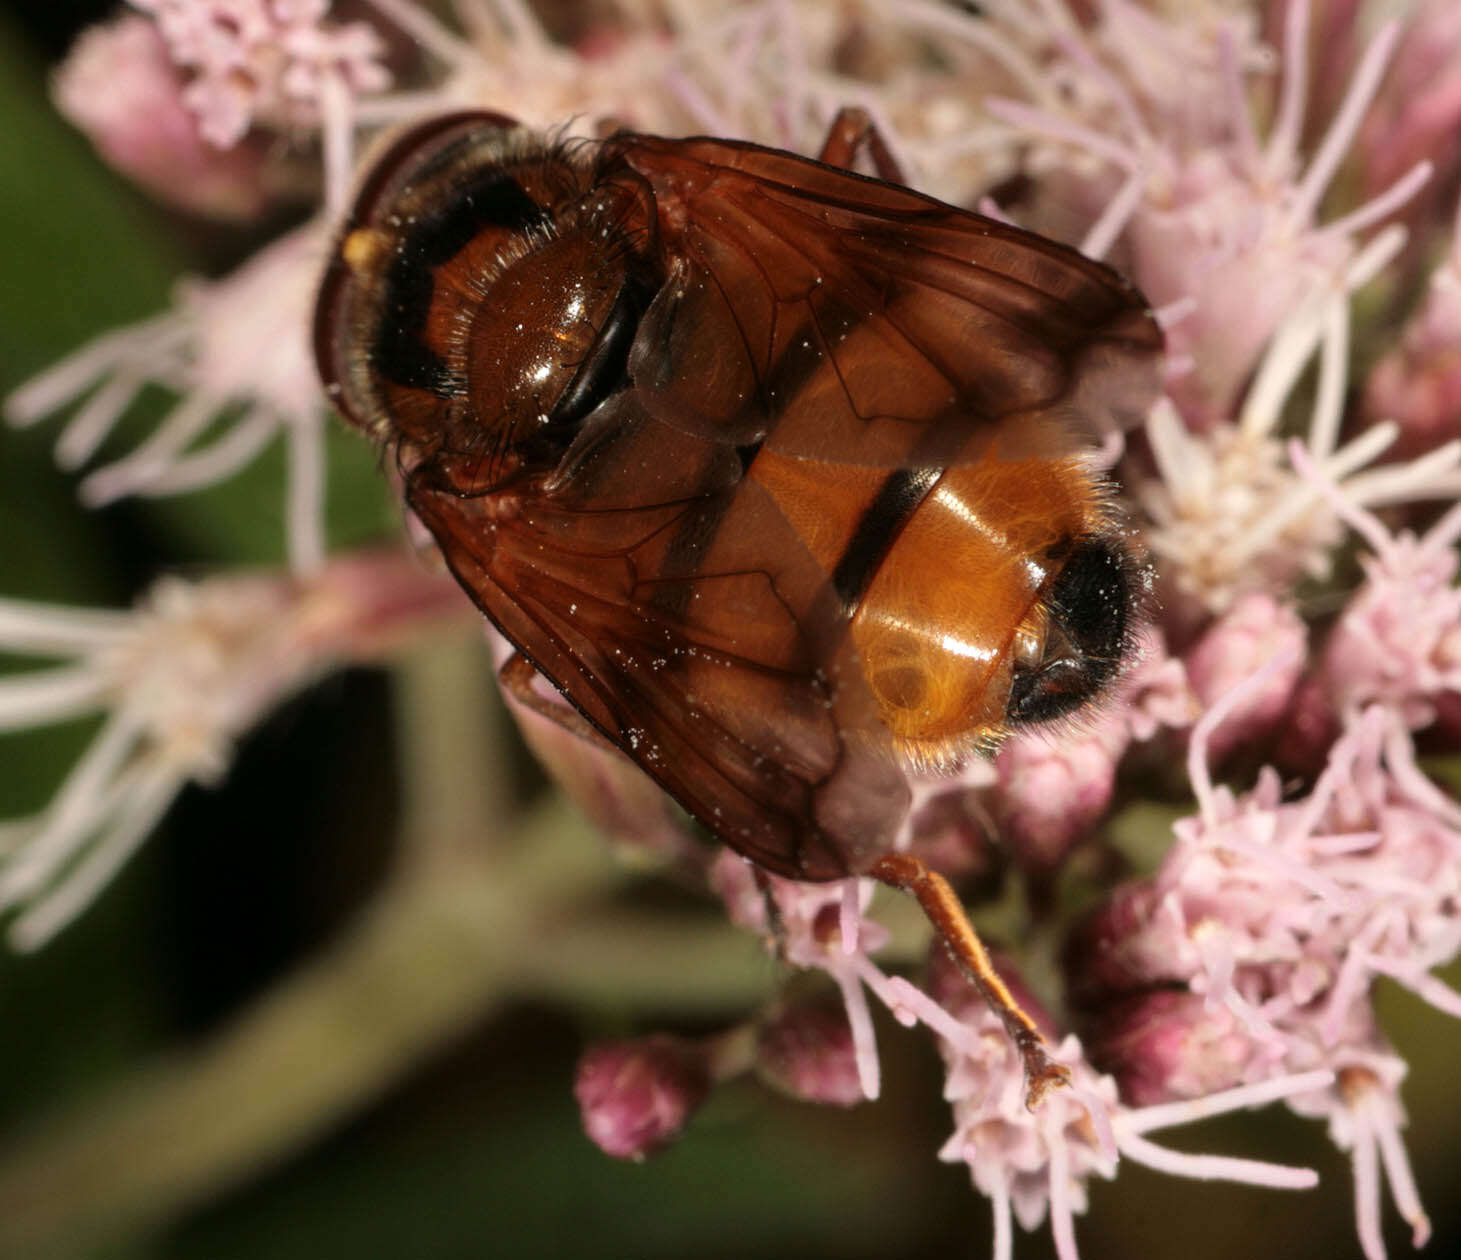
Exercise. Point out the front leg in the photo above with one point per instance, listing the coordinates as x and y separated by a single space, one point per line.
517 676
852 131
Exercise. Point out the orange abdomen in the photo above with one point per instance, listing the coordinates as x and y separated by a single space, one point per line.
944 582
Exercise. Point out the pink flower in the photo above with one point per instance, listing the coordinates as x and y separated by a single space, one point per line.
1239 970
180 679
1228 514
815 926
1280 914
120 87
1398 641
1366 1118
1033 1163
1155 134
1028 1162
271 59
237 346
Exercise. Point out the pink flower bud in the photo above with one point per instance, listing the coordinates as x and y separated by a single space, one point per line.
949 832
1114 951
1053 792
1448 718
1417 113
734 880
1256 630
120 86
806 1050
1418 383
1166 1044
1310 729
636 1096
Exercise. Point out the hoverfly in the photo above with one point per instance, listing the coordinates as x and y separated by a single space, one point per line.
772 469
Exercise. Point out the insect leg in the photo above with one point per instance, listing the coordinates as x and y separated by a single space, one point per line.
852 131
516 678
912 875
775 924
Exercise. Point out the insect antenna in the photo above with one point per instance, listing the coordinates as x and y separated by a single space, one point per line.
944 910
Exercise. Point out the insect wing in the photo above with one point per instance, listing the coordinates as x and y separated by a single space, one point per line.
675 607
851 320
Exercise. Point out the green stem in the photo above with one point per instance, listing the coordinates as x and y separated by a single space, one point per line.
437 952
455 757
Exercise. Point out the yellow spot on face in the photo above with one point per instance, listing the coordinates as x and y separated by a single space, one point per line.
362 249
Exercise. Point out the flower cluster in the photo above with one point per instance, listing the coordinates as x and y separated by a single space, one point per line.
268 59
221 350
1276 204
1275 917
180 679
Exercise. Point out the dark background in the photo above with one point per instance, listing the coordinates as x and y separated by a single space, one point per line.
479 1151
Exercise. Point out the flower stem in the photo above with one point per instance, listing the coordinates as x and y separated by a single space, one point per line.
442 947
